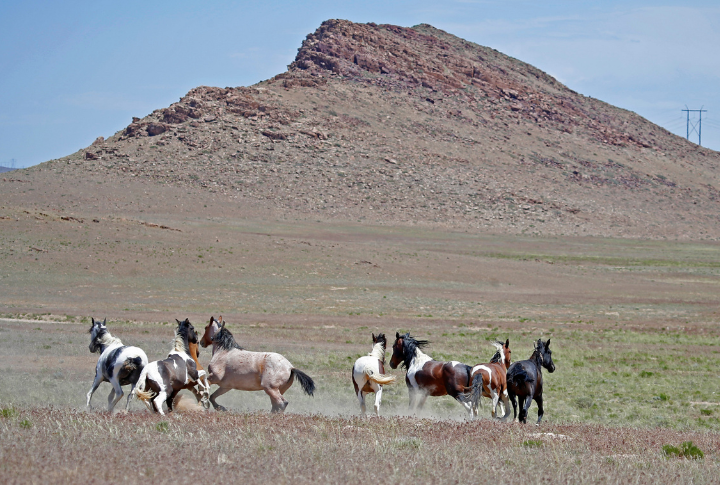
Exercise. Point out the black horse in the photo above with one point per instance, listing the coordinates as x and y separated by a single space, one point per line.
524 379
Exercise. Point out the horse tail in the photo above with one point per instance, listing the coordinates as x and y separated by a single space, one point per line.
477 388
305 381
519 376
145 396
133 363
381 379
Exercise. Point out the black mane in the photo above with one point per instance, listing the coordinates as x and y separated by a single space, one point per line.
410 344
382 340
225 340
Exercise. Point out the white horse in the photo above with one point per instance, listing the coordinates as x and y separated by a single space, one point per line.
118 364
368 373
233 367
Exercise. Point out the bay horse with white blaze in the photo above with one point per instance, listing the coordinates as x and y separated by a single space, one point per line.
524 380
118 364
489 380
368 374
161 380
428 377
233 367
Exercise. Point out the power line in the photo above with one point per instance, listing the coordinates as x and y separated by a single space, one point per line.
696 127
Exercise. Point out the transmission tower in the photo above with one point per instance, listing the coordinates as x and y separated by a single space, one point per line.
694 126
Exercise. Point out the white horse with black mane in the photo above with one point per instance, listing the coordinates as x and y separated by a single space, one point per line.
368 374
161 380
118 364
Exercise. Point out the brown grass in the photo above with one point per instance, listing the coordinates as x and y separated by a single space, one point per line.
63 445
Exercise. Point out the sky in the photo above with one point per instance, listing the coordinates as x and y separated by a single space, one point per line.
73 71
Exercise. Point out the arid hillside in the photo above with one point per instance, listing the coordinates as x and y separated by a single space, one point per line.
392 125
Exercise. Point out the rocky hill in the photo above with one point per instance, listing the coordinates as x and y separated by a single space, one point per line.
393 125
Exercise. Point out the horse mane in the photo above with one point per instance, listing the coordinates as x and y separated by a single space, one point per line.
410 345
180 343
225 340
498 357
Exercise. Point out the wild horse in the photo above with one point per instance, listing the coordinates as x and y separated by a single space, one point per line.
368 374
161 380
489 380
118 364
525 380
428 377
233 367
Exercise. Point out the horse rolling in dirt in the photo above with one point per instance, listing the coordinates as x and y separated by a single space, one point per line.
488 380
233 367
118 364
368 373
161 380
427 377
524 380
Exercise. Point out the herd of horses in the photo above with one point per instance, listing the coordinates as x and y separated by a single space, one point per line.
233 367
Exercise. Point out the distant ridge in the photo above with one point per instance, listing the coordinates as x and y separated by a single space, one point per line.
5 169
394 125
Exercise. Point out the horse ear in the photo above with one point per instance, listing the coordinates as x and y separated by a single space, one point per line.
547 344
507 343
397 335
105 321
374 337
93 320
179 322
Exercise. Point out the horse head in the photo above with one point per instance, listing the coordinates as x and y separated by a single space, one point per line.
184 334
97 331
380 338
211 329
398 355
545 355
502 354
507 353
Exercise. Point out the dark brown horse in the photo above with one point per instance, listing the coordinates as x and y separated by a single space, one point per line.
427 377
525 380
488 380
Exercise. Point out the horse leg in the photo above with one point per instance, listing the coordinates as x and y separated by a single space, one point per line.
421 398
361 398
118 395
526 408
495 398
378 398
539 401
513 400
506 405
159 400
96 383
276 399
218 392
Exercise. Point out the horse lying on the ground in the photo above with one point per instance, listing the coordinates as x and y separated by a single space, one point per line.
233 367
118 364
427 377
161 380
368 373
524 380
489 380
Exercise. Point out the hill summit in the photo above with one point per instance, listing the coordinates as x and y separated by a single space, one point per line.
393 125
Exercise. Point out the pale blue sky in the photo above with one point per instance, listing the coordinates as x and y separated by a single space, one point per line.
73 71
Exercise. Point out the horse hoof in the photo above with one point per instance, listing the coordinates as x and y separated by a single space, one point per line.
220 408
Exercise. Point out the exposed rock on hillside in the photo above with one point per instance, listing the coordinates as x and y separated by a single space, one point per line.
388 124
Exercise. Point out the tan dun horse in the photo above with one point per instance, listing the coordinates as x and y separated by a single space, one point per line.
233 367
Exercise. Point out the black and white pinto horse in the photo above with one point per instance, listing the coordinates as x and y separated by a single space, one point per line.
161 380
525 380
118 364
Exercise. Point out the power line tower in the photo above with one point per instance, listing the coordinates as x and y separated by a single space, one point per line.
695 126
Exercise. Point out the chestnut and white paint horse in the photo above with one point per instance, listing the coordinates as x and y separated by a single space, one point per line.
489 380
368 374
428 377
161 380
118 364
233 367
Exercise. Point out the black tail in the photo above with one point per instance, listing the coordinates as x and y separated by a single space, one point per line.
305 381
477 388
519 376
